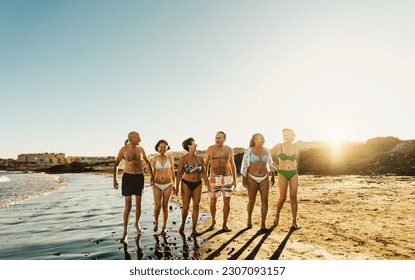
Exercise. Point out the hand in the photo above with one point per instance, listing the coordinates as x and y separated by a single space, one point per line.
116 185
244 181
234 185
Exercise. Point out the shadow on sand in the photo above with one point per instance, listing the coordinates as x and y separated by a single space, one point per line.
252 255
280 248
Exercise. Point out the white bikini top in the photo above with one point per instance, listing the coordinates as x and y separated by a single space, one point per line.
166 164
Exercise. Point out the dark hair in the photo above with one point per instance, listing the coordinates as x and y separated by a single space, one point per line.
160 142
224 134
186 143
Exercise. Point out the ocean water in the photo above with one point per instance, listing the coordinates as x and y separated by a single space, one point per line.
80 216
18 186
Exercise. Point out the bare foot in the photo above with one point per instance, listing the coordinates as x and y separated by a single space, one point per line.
249 223
137 228
124 239
226 229
296 226
163 231
181 230
264 229
195 232
212 226
156 227
276 220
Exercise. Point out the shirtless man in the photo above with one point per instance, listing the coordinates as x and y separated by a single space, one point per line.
222 177
132 179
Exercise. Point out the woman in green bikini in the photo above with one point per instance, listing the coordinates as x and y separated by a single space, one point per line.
288 157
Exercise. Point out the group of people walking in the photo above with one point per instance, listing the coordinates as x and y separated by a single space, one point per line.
218 172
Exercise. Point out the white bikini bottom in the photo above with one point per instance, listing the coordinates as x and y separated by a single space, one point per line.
162 187
258 179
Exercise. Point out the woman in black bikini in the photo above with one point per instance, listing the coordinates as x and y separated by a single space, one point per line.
190 173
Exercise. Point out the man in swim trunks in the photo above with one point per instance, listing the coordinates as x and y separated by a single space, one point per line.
222 177
132 179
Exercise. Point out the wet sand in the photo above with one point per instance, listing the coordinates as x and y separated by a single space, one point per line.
342 218
84 221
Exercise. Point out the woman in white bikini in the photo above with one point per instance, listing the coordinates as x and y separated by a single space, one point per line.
255 168
163 166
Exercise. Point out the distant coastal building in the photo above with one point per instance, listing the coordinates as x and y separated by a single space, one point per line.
42 159
90 160
59 158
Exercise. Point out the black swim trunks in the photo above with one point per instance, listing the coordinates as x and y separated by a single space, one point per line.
132 184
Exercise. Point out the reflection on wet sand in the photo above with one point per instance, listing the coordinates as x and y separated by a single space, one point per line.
195 255
163 250
140 252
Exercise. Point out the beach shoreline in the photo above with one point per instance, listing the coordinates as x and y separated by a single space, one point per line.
342 218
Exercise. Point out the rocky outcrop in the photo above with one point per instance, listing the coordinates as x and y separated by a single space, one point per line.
74 167
387 156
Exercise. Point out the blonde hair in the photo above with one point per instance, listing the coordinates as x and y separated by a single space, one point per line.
290 131
252 141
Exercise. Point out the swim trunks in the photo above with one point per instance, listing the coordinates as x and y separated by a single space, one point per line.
132 184
220 184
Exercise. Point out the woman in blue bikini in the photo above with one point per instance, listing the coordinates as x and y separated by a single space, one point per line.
255 168
190 172
288 157
163 166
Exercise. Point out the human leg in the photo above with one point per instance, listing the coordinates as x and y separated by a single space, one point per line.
212 208
137 213
226 190
127 210
282 185
252 187
293 199
226 210
186 196
264 192
157 194
166 198
196 196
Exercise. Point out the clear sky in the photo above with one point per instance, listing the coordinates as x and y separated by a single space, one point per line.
76 76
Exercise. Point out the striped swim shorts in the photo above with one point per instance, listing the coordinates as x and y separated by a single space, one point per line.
220 184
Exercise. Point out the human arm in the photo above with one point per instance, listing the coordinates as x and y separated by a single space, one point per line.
244 166
207 160
271 168
149 167
204 175
233 168
116 163
179 174
153 166
173 176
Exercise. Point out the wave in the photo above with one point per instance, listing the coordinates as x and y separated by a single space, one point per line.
4 179
17 187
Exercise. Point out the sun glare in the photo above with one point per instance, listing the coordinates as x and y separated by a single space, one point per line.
336 140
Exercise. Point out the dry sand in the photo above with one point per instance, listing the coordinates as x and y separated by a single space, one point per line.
342 218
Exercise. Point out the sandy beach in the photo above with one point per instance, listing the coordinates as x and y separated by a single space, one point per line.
342 218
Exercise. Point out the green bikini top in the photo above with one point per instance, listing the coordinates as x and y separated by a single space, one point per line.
283 156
